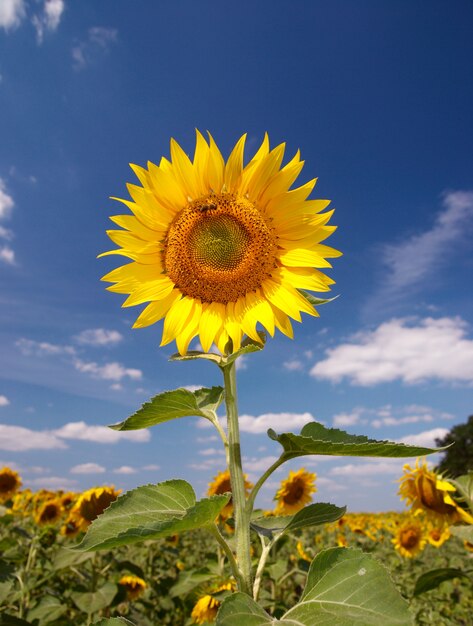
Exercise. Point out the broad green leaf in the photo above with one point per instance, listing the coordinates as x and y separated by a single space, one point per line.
313 300
93 601
47 610
312 515
171 405
190 579
248 345
317 439
344 588
151 512
7 570
465 533
196 354
466 484
5 590
431 580
67 557
113 621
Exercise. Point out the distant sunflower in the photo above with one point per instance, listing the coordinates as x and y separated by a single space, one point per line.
425 490
10 482
206 607
49 512
221 484
295 492
134 586
218 247
409 539
438 535
91 504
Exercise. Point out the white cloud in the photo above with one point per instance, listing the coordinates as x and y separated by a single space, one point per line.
277 421
241 363
99 337
52 482
4 401
6 201
371 468
426 438
87 468
192 387
11 13
7 255
19 439
110 371
414 259
348 419
399 350
294 365
152 467
29 347
207 439
125 469
50 18
99 434
259 464
5 233
98 41
212 452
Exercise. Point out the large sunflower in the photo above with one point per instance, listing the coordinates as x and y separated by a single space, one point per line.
218 247
426 491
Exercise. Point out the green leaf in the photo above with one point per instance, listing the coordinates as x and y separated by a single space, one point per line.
7 570
171 405
113 621
67 557
196 354
248 345
47 610
466 484
313 300
465 533
151 512
190 579
317 439
5 590
431 580
344 588
90 602
312 515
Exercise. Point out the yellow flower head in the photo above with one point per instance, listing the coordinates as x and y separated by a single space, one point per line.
295 492
49 512
134 586
409 539
205 609
10 482
438 535
91 504
217 247
426 491
221 484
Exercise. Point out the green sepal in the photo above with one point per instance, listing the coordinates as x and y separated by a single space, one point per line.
433 578
248 346
344 587
317 439
151 512
313 300
174 404
311 515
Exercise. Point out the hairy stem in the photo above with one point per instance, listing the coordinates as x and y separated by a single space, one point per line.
242 524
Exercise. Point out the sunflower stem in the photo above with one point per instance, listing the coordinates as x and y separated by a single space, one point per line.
242 519
254 492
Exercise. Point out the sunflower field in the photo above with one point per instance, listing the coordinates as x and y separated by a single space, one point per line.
182 580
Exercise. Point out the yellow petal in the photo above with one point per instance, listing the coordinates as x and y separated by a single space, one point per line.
282 322
283 179
176 319
301 257
155 311
191 329
232 326
211 321
287 201
150 291
307 279
184 170
134 225
216 167
234 166
263 173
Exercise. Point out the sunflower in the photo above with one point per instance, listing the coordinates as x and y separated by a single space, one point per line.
206 608
10 482
91 504
427 491
438 535
49 512
221 484
134 586
218 247
409 539
295 492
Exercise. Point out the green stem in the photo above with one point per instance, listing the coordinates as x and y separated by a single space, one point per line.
266 549
251 498
242 520
227 551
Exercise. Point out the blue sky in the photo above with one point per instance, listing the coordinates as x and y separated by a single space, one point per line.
378 97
